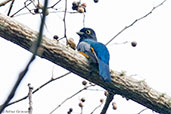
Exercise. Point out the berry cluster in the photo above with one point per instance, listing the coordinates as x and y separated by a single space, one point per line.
81 8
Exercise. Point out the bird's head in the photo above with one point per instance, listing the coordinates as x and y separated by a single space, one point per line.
87 33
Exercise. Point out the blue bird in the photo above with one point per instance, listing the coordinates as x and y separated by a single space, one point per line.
96 51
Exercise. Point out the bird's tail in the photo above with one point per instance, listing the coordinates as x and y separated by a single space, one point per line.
104 71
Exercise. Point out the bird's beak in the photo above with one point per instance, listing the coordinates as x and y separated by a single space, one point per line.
80 33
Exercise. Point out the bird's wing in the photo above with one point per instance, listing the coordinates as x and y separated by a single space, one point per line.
103 57
85 49
101 51
103 60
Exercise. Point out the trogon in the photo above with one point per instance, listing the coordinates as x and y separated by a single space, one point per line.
94 50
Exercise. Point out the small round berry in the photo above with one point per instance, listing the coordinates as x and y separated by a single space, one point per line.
70 110
96 1
80 10
134 43
102 100
74 7
39 6
55 37
84 5
84 83
74 3
36 10
106 93
114 106
78 3
83 99
80 105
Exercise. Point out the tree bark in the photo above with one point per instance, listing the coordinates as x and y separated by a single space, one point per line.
71 60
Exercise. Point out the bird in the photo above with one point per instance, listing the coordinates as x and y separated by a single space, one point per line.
97 52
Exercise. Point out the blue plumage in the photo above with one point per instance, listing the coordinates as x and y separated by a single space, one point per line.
96 51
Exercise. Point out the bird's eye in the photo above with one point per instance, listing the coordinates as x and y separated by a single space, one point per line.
88 32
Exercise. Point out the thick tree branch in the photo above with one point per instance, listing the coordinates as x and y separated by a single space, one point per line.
69 59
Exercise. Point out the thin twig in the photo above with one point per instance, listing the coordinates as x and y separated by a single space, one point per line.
22 74
38 2
83 19
119 43
43 85
81 110
40 12
135 22
85 88
142 110
25 6
64 20
96 90
11 5
51 80
96 108
30 109
21 9
55 4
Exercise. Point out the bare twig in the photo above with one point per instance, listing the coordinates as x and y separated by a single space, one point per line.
22 74
96 108
55 4
4 2
81 110
11 5
126 27
64 20
85 88
51 80
119 43
43 85
21 9
30 109
69 12
83 19
96 90
142 110
26 6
